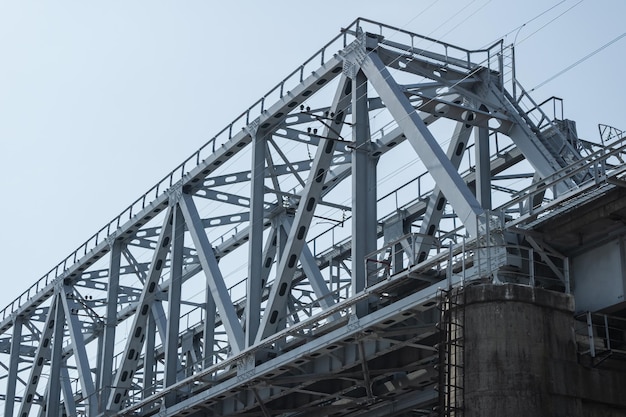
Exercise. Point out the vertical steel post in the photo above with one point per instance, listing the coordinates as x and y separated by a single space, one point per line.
16 343
363 190
150 359
105 379
592 342
255 241
53 400
531 266
173 303
483 167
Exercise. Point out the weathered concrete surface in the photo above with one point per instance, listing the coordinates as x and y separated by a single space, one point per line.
521 357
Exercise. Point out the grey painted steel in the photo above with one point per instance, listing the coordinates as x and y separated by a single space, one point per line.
462 200
119 309
53 390
105 377
68 392
255 257
437 200
42 355
215 280
16 341
363 190
276 306
136 339
71 308
483 170
173 301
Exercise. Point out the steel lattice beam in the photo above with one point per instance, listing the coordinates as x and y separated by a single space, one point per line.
164 311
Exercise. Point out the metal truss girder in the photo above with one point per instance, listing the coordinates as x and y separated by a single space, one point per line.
136 339
483 171
444 61
16 341
363 170
298 135
309 85
311 194
419 301
456 111
214 277
279 170
105 378
254 284
437 200
53 390
528 141
68 395
430 70
173 302
39 360
374 103
71 308
311 270
462 200
235 218
223 197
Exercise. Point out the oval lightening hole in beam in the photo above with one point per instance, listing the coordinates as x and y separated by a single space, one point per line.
292 260
283 289
268 262
310 204
329 146
301 232
431 230
440 203
159 264
273 317
459 149
320 175
166 241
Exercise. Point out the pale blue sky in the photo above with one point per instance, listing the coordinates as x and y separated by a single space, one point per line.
99 100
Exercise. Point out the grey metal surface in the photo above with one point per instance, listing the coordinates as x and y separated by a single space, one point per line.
276 272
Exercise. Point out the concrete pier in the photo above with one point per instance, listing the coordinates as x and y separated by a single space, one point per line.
520 357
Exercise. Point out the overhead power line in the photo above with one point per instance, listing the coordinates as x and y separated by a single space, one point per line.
563 71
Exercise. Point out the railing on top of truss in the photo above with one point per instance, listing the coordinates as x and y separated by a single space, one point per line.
471 259
600 336
454 55
603 163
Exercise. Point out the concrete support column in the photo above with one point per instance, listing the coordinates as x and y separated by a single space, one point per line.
517 340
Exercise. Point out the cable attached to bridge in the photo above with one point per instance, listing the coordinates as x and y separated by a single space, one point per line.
580 61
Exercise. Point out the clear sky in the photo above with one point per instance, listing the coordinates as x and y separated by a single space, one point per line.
99 100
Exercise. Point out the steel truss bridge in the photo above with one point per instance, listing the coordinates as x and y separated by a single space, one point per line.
292 266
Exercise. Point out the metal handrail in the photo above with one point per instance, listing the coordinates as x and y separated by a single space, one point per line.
207 149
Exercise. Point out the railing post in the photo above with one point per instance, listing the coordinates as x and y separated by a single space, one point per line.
592 345
566 275
531 266
606 332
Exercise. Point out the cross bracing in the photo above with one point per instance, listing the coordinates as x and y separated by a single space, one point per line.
291 266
